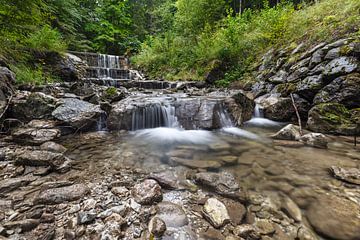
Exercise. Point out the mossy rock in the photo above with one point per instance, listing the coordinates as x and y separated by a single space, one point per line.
285 89
330 118
111 91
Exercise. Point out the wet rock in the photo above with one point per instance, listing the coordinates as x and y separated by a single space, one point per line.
35 136
290 132
236 211
26 106
329 118
67 66
223 183
350 175
335 217
62 194
310 86
86 217
247 231
265 227
317 140
77 113
147 192
38 158
11 184
291 209
240 107
215 212
206 164
277 108
341 66
167 179
172 214
344 90
157 227
25 225
53 147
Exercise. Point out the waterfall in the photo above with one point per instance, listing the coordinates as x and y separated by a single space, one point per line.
224 117
154 116
258 112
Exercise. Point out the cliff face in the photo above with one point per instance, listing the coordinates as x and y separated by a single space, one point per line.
324 81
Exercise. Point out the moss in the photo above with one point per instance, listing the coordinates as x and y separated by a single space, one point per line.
335 113
111 91
286 88
345 50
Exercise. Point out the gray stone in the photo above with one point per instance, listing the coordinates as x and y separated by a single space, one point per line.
172 214
277 108
147 192
333 53
86 217
279 77
317 58
53 147
310 86
38 158
341 66
335 217
317 140
298 74
34 135
290 132
240 108
350 175
216 213
77 113
62 194
344 90
11 184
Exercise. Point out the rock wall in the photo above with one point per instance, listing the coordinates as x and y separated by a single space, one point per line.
323 80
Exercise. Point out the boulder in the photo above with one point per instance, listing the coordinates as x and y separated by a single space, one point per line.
240 107
38 158
330 118
27 106
260 88
78 114
172 214
310 86
147 192
62 194
277 108
290 132
317 140
34 135
223 183
53 147
341 66
157 227
350 175
215 212
344 90
335 217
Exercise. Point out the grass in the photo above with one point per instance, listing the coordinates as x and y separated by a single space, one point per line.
239 42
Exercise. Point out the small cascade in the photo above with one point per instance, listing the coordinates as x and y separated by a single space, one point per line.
259 111
224 117
154 116
101 123
259 119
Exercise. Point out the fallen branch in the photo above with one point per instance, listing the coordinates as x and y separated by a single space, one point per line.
297 113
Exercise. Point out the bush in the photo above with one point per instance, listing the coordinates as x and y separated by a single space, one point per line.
46 39
27 75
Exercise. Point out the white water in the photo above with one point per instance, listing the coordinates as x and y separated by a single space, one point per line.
258 119
170 136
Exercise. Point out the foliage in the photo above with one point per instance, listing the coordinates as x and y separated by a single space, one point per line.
32 75
236 41
46 39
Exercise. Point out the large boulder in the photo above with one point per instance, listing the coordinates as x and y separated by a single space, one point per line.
335 217
240 107
310 86
26 106
78 114
344 90
330 118
67 67
341 66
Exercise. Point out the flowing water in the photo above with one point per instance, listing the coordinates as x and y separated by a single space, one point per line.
259 164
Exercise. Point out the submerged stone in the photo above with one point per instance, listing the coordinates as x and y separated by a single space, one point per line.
147 192
215 212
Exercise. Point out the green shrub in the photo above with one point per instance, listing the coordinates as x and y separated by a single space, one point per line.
46 39
28 75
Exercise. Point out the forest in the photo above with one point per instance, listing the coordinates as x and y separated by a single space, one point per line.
168 39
